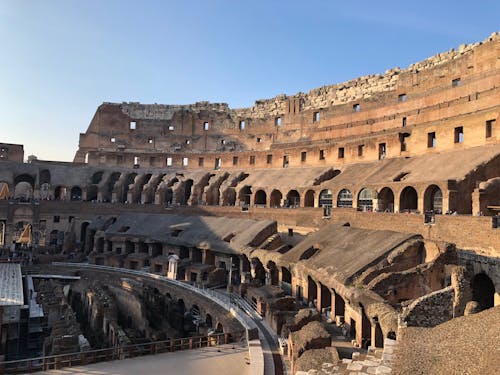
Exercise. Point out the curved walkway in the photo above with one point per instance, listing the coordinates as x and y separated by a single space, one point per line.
264 355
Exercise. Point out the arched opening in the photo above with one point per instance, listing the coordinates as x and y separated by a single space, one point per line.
44 191
44 177
276 198
273 273
23 191
60 193
260 198
209 321
76 193
385 200
92 193
219 328
339 309
293 199
379 336
168 196
257 270
125 187
312 291
83 231
365 199
433 199
483 291
326 198
344 199
286 280
188 186
408 200
326 299
110 186
309 199
229 197
140 186
97 177
244 195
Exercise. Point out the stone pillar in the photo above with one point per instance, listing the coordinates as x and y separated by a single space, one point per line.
420 203
318 297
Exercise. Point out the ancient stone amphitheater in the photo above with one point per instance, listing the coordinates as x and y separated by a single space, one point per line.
359 210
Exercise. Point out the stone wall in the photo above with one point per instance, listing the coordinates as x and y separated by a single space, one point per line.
430 310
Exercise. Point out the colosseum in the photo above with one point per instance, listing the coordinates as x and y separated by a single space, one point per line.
351 229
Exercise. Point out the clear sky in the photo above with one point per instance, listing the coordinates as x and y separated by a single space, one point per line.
60 59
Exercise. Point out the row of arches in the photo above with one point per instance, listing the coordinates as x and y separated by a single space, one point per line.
134 188
368 199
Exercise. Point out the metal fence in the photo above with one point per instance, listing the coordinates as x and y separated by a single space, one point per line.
55 362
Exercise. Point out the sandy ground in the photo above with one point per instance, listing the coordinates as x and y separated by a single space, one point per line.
215 360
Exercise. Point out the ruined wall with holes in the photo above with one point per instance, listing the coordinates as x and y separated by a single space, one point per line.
388 115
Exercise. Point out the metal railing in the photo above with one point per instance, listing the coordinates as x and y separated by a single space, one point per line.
55 362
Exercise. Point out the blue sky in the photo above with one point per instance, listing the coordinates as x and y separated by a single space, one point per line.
60 59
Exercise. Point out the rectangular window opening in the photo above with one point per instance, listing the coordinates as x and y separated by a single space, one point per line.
259 140
489 128
235 160
303 156
201 161
381 151
285 161
113 139
360 150
206 125
431 140
252 160
185 162
169 162
242 125
218 163
316 116
269 159
459 134
277 121
171 127
402 98
321 154
133 125
341 152
403 123
456 82
356 107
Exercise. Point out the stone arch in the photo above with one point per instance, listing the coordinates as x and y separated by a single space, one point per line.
309 198
97 177
45 191
483 291
326 298
129 180
275 199
260 198
258 271
326 198
433 199
244 195
385 199
344 198
137 194
76 193
23 191
408 199
44 177
293 198
365 199
25 178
